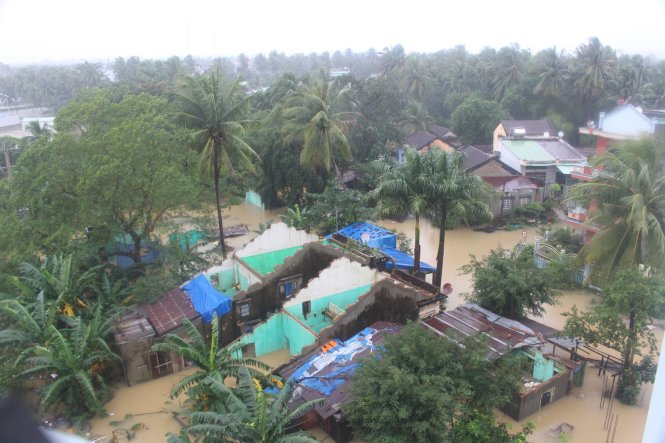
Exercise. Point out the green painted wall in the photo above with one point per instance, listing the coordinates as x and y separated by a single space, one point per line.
278 332
266 263
243 281
316 320
226 280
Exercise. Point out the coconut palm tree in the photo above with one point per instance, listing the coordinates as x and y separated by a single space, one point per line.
458 194
593 68
415 118
208 356
249 414
553 73
508 68
76 356
407 189
415 80
630 195
215 111
313 117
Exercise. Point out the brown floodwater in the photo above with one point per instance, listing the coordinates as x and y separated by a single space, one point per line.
580 408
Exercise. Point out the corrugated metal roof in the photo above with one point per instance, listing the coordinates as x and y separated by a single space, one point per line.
547 151
528 150
531 127
168 311
503 333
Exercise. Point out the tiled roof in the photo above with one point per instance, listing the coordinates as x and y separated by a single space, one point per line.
420 139
531 127
328 373
168 311
473 157
439 131
510 184
470 320
545 151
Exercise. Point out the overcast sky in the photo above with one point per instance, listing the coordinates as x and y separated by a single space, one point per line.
74 30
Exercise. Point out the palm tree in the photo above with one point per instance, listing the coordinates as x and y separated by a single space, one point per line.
76 356
593 68
415 118
250 415
457 194
391 59
630 195
416 81
208 356
405 189
313 117
508 69
553 73
215 111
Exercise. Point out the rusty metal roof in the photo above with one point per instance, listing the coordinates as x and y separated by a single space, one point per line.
167 312
503 334
326 375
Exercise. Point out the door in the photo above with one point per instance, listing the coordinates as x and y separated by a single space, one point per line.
546 398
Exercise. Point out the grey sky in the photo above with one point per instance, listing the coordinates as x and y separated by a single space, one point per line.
73 30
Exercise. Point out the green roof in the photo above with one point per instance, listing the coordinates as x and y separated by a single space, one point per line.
528 150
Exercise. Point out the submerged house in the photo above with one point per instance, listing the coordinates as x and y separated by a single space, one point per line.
548 375
325 373
147 324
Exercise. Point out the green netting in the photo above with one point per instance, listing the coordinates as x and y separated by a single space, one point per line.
188 239
266 263
279 332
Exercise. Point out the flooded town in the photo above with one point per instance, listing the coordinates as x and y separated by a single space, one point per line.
320 223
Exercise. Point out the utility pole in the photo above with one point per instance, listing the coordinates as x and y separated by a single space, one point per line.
8 163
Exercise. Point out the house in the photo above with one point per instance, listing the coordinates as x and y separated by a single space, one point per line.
512 190
549 375
625 122
147 324
326 373
545 160
435 137
528 128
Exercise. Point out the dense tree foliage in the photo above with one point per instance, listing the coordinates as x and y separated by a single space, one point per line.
627 306
423 388
509 283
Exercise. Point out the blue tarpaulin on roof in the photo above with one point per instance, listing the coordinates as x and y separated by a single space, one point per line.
385 241
206 299
405 261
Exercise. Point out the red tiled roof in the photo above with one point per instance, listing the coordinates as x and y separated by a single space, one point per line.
168 311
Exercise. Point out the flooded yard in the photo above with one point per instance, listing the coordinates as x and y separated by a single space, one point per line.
152 412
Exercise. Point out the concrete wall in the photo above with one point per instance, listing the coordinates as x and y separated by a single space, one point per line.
626 121
280 331
499 132
524 405
510 159
279 236
342 275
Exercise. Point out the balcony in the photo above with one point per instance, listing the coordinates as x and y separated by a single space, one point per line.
578 214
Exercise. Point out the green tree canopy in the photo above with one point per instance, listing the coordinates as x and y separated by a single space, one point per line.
509 283
475 119
424 388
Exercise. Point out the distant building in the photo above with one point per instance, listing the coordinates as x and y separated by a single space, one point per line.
527 128
438 137
339 72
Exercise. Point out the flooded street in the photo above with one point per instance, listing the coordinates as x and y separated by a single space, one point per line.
151 409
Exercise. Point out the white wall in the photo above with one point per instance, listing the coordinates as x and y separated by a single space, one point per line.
278 237
626 121
342 275
510 159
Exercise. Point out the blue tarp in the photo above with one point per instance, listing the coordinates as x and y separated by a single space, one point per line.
206 299
405 261
385 241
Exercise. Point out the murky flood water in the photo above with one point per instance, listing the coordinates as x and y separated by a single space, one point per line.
580 408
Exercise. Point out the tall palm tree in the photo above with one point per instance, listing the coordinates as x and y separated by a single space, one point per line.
508 68
630 195
553 72
457 194
250 415
207 355
215 111
391 59
416 81
415 118
313 117
75 356
407 189
593 68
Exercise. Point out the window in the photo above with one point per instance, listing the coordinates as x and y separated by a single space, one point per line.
288 286
506 203
524 201
306 308
244 309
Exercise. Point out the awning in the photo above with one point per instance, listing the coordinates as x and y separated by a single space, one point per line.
567 169
206 299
